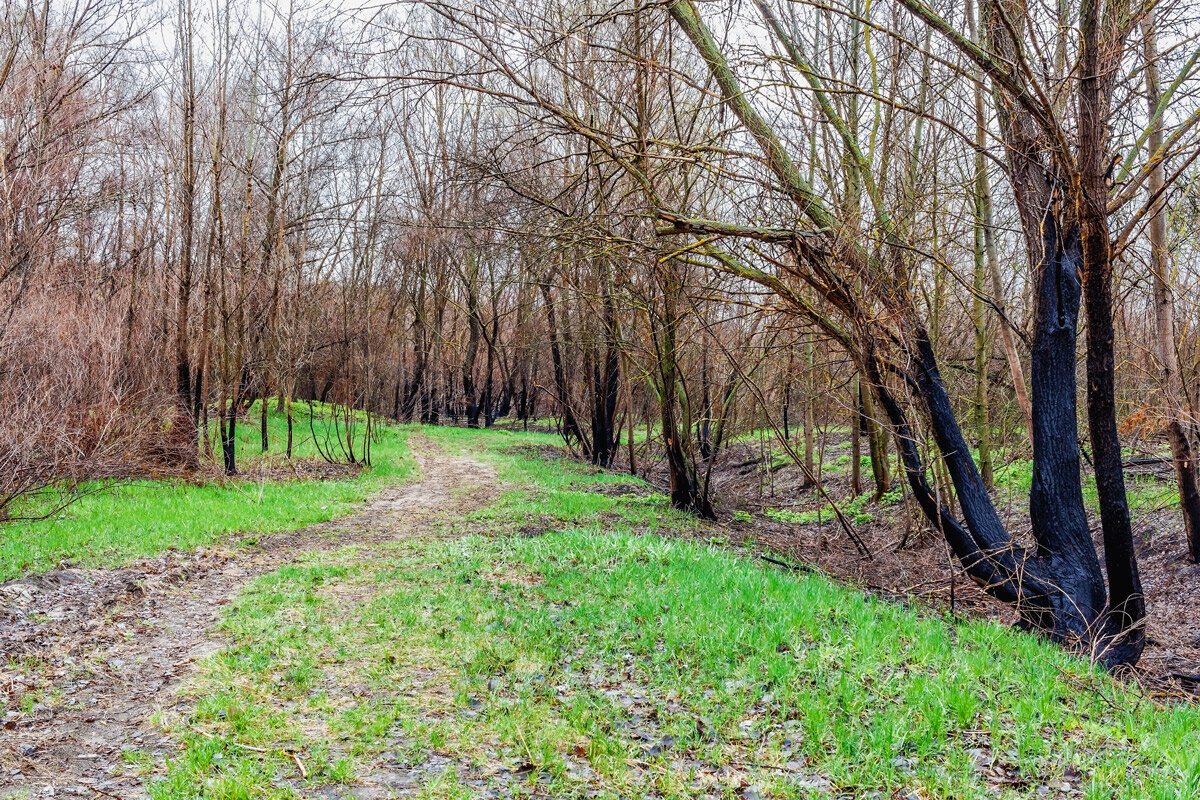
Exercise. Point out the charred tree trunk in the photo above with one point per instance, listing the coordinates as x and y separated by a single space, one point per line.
704 429
1124 627
475 334
606 387
486 407
229 426
470 400
687 491
262 416
857 424
810 422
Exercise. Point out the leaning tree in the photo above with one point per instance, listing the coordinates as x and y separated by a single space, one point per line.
1055 122
843 249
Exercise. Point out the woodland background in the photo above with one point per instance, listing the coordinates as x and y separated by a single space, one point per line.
656 227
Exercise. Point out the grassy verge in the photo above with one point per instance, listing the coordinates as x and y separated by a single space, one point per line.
557 646
142 518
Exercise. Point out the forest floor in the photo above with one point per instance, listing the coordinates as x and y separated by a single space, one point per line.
512 623
767 502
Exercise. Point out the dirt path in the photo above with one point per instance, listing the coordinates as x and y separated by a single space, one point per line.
108 647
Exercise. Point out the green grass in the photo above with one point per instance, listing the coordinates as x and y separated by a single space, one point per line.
309 418
142 518
1145 491
591 658
855 509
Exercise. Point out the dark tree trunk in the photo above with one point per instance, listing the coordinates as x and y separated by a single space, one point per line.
1056 508
704 429
229 429
570 425
415 394
228 455
606 387
183 368
687 492
489 383
523 399
262 419
786 407
1124 628
468 374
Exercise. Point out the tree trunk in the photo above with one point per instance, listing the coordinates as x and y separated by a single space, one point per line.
183 368
607 385
985 251
856 427
687 493
474 334
1171 379
570 426
1123 624
704 429
877 442
983 432
810 392
262 417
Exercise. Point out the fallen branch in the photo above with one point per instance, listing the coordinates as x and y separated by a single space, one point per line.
1184 677
299 765
1154 461
786 565
747 463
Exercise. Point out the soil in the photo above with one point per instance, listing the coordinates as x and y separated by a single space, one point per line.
112 646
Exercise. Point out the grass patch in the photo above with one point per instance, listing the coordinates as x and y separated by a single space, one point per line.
1145 491
595 659
142 518
855 508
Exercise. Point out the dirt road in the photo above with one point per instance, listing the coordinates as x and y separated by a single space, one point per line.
106 648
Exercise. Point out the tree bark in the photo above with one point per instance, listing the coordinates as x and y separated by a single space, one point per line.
1170 378
1123 624
856 429
183 368
985 251
877 442
570 426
